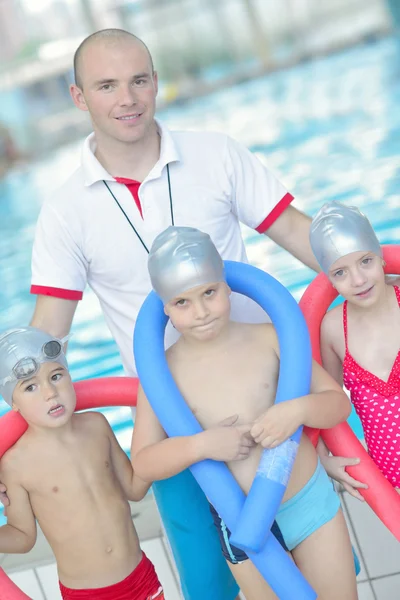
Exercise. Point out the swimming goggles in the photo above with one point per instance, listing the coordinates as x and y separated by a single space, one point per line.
28 366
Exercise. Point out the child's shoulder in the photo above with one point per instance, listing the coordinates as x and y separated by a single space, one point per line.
12 462
332 323
264 330
262 333
92 420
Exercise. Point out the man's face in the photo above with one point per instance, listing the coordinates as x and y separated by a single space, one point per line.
119 90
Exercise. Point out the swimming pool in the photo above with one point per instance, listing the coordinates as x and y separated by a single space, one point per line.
330 129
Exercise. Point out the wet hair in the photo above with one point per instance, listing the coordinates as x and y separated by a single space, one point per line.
104 35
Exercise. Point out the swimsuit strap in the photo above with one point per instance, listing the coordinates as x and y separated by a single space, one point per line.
345 323
397 292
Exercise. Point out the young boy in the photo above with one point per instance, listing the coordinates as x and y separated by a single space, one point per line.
69 472
227 373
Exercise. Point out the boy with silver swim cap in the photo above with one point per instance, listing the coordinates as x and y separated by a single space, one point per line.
338 230
22 351
64 456
227 373
181 258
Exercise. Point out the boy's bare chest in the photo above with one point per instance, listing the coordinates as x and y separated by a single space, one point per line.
236 383
64 471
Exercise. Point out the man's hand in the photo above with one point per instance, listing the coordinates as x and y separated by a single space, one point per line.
226 441
277 424
335 466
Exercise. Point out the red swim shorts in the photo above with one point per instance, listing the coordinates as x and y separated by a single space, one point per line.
141 584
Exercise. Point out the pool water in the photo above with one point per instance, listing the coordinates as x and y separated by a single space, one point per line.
329 129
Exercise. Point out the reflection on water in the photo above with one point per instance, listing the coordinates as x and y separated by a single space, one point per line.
328 128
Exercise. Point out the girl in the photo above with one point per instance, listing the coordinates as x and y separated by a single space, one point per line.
360 339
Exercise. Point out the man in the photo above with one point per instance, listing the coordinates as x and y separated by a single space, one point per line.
136 179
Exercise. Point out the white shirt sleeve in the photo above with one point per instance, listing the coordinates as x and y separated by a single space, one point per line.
58 265
258 197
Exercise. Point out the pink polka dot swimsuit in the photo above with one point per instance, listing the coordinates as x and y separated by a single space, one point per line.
377 403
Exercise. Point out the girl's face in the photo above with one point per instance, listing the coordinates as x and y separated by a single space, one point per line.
358 277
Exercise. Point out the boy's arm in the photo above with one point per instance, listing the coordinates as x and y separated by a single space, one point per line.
325 406
133 487
18 536
155 457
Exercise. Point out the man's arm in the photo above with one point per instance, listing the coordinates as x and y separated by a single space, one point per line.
262 202
291 231
54 315
19 535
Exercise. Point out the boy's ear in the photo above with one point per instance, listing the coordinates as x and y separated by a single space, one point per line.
166 311
228 289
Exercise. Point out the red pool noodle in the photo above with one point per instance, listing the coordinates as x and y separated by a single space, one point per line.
341 441
8 589
91 393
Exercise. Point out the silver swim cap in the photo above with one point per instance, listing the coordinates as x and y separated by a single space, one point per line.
338 230
182 258
22 351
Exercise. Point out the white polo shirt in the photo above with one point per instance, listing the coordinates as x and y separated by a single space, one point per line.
82 236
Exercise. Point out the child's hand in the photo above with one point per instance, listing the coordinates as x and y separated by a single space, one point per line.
227 441
335 467
277 424
3 497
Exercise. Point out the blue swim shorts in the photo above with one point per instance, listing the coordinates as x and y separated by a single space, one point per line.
313 506
308 510
233 554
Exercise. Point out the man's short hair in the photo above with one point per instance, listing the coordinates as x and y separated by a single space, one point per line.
103 35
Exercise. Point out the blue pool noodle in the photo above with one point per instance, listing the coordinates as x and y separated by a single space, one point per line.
295 368
215 479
